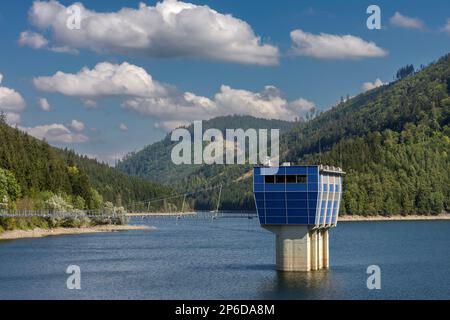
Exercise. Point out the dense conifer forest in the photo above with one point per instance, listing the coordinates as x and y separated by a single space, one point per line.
37 176
393 142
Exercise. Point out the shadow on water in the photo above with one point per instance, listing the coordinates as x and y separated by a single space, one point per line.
299 285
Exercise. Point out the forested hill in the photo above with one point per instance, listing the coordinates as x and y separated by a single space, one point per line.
393 142
420 97
40 169
112 184
154 162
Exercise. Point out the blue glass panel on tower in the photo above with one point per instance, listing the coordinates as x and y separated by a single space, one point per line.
298 195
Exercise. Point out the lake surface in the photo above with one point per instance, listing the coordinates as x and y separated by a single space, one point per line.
228 259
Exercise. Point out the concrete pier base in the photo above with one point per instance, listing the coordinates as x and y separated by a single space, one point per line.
300 248
325 249
314 251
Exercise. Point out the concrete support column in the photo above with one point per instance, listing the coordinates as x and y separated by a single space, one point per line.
300 248
314 250
293 247
325 249
320 249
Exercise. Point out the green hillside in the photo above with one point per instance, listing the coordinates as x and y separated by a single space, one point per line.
112 184
41 169
154 161
393 142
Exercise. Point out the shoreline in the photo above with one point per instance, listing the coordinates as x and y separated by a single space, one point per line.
40 233
355 218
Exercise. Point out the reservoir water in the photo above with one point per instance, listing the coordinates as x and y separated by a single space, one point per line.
228 259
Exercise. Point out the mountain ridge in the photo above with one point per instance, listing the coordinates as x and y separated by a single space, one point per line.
406 121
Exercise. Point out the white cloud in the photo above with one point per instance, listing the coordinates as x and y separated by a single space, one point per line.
123 127
10 100
32 39
38 41
179 108
169 29
11 104
372 85
55 133
269 103
446 28
105 80
143 94
13 118
328 46
402 21
89 103
77 125
109 158
64 49
174 111
171 125
44 104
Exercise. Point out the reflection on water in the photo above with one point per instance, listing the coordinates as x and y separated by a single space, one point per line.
298 285
228 259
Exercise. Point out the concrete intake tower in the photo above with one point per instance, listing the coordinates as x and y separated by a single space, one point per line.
299 204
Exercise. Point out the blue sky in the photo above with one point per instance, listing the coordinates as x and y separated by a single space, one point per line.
302 79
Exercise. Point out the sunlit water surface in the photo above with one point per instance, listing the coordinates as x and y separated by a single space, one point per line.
228 259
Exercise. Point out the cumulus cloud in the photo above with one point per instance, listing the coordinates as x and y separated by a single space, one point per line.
145 95
328 46
183 108
123 127
13 118
402 21
77 125
38 41
169 29
269 103
10 100
44 104
55 133
11 104
446 28
104 80
171 125
372 85
89 103
32 39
